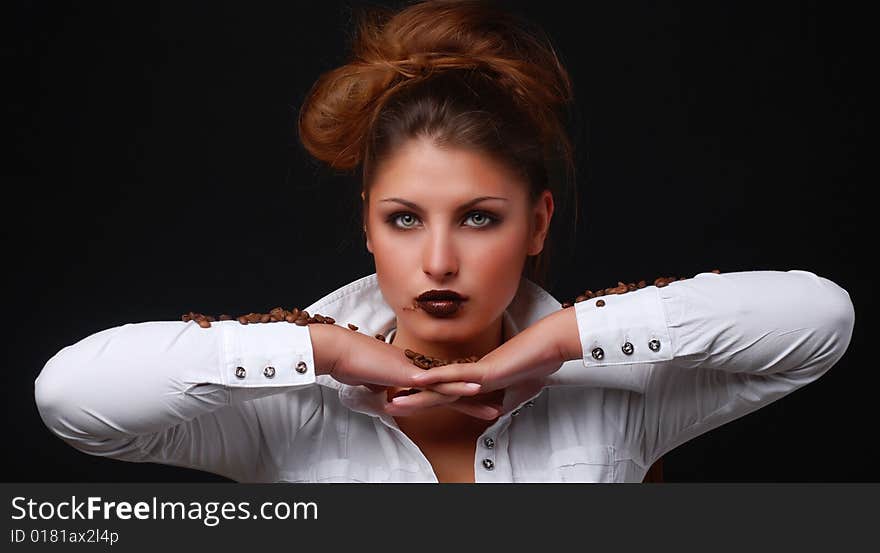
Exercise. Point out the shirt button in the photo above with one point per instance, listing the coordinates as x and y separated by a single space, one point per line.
240 372
627 348
654 345
598 353
269 372
488 464
489 442
301 367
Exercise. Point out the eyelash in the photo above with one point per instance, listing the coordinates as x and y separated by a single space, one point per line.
493 220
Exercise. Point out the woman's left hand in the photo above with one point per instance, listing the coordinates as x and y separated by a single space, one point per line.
533 354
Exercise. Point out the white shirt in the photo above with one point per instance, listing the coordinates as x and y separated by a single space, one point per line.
167 391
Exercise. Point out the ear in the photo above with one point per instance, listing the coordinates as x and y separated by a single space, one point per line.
366 232
541 216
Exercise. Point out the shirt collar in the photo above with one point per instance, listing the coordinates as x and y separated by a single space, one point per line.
361 303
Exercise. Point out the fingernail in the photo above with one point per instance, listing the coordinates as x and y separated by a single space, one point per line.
473 386
401 400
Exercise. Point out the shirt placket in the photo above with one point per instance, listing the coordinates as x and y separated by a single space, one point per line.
492 463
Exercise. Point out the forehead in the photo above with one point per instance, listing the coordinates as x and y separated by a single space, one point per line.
422 168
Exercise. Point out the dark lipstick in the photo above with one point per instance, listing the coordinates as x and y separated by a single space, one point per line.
440 303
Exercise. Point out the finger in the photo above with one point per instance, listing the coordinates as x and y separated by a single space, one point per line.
407 405
456 388
466 372
375 387
475 408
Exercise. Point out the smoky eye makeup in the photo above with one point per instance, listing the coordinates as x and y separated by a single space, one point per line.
395 219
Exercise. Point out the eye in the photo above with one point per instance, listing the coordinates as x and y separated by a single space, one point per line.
482 218
408 218
405 220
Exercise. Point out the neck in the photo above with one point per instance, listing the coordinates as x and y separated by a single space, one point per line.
435 423
481 344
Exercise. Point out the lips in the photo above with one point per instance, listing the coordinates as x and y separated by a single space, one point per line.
440 303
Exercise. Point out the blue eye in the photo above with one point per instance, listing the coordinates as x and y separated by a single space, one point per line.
482 219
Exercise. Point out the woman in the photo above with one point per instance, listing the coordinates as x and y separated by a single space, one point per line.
452 110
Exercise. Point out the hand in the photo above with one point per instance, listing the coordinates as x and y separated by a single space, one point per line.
357 359
530 356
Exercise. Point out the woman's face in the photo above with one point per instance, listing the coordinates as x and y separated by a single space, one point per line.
427 228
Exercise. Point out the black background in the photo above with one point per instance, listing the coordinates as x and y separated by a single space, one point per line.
154 169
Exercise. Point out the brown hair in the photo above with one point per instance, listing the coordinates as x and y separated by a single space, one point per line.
463 73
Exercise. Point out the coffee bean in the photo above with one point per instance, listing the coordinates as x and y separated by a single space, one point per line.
290 318
186 317
408 352
600 303
380 337
351 326
580 299
301 322
716 271
204 323
565 305
329 320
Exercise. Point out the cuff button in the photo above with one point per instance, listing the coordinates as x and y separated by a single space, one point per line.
627 348
301 367
654 345
598 353
269 372
240 372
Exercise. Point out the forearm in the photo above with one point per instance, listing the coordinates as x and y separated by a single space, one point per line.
138 379
753 321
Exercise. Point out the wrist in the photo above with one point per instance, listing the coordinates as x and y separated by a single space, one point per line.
565 333
325 346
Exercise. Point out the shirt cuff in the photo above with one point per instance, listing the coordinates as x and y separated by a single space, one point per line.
630 328
266 355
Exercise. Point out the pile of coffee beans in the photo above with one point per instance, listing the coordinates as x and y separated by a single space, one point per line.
623 288
295 316
427 362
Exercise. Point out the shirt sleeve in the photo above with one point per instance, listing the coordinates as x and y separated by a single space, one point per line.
175 393
707 350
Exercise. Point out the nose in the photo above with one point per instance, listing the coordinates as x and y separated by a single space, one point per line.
439 257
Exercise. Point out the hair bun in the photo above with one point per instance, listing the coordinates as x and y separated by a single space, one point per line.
393 50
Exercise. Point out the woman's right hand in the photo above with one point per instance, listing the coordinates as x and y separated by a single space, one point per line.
360 360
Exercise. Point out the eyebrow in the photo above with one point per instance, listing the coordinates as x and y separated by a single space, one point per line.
465 205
